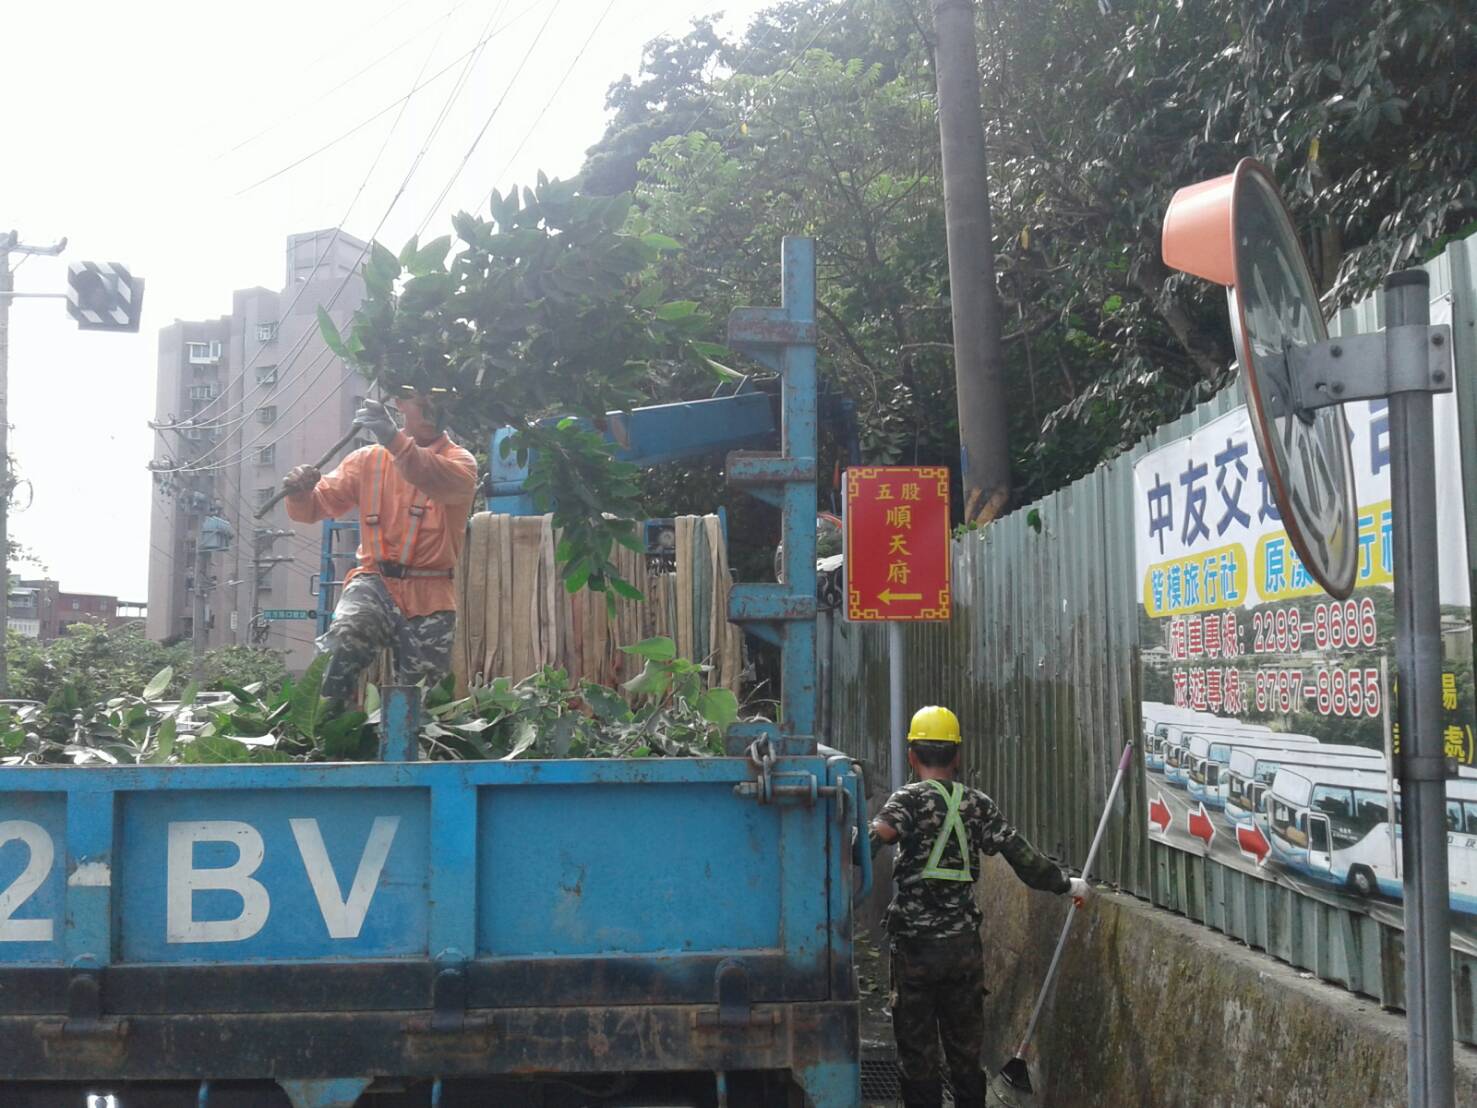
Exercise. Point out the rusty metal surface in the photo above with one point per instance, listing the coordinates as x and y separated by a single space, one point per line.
606 1039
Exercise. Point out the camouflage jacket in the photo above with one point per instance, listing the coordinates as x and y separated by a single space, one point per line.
931 908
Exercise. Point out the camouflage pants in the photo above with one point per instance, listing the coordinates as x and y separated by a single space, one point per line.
938 992
366 621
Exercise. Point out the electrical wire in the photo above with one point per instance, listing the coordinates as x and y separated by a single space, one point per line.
503 98
331 143
405 182
299 109
285 372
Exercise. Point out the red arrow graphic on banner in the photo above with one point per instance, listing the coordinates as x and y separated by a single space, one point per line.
1252 842
1159 814
1200 825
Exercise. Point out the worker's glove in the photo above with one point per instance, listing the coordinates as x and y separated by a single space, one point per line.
1080 890
300 479
375 418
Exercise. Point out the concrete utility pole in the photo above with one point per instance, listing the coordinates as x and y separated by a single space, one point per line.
979 355
197 624
9 244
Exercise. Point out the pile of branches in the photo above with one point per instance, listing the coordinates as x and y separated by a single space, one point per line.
664 711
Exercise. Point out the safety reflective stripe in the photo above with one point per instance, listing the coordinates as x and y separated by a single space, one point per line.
952 824
373 539
416 511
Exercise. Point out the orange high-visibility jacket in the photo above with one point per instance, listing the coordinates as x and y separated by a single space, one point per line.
413 503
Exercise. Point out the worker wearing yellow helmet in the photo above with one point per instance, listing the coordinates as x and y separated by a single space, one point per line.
939 826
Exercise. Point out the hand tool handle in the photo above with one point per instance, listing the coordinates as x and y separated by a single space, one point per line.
331 453
1061 942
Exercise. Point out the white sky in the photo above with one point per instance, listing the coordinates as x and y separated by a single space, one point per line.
122 128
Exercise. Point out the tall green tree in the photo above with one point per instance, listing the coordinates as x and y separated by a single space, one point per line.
819 120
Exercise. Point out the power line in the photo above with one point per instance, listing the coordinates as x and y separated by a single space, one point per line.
399 192
388 107
300 108
501 99
304 284
338 228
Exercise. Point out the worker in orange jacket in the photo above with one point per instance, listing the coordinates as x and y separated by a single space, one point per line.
413 491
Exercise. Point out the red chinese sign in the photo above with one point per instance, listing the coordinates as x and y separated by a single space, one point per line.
897 543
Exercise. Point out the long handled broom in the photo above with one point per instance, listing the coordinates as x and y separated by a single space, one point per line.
1013 1083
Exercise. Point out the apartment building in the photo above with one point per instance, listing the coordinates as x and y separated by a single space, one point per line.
241 400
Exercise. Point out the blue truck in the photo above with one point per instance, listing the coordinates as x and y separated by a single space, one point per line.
646 931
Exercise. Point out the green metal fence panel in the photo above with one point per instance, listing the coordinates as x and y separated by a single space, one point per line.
1040 662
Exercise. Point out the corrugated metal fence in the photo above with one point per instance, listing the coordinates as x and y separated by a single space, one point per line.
1041 664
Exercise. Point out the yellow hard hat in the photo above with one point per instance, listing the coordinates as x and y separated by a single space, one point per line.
934 725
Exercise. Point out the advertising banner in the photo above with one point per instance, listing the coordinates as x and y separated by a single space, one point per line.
1268 705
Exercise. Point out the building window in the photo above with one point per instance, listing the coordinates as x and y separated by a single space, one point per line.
266 375
267 414
266 455
234 620
265 493
199 434
204 353
266 332
202 392
76 605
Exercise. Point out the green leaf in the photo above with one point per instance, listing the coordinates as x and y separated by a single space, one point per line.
215 748
160 681
341 735
431 257
163 742
653 680
383 263
660 241
604 702
658 648
676 309
331 338
718 706
625 589
525 732
306 705
187 697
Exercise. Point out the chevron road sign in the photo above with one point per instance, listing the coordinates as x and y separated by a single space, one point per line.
104 296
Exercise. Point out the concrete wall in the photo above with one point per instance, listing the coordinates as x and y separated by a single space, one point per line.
1153 1009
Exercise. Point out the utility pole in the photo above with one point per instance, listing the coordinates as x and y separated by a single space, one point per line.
202 582
9 244
262 557
979 355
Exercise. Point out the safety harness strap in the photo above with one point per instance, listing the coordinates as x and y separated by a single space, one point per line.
373 540
416 510
954 825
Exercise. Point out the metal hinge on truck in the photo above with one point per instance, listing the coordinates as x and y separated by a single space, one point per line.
84 1029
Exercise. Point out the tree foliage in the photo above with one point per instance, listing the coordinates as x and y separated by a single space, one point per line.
821 120
91 662
664 711
542 318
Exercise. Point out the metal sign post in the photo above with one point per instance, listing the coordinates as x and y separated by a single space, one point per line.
1235 231
897 568
1421 762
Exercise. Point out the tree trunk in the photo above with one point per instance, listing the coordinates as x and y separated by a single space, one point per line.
979 355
